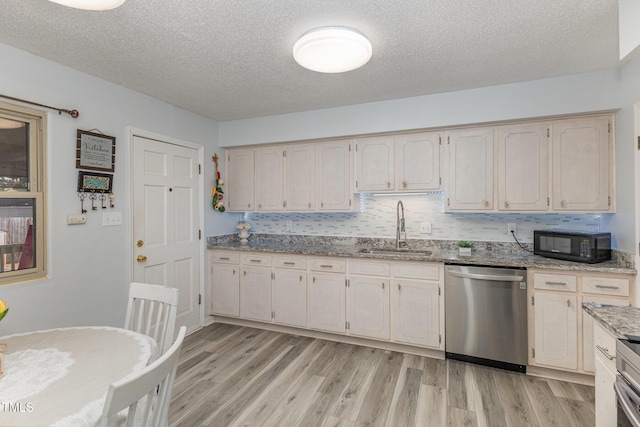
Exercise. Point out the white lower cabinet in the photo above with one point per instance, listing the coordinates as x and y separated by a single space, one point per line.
416 313
290 297
605 370
368 307
255 293
327 302
556 326
561 334
224 283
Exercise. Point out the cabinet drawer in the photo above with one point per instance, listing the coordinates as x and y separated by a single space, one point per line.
369 268
256 259
416 270
298 263
555 282
605 345
605 285
328 265
224 257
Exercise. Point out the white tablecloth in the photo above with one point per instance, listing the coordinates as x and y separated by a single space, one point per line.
60 377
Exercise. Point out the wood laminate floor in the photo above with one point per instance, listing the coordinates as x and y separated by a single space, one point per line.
236 376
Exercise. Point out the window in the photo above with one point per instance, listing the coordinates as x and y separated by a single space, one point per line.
22 194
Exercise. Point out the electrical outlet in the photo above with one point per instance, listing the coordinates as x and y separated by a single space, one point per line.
425 228
511 227
75 219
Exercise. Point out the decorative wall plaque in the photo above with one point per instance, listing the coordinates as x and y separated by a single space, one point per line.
95 151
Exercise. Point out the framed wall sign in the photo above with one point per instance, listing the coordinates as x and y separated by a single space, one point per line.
90 182
95 151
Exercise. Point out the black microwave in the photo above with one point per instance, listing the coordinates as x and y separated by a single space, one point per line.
580 246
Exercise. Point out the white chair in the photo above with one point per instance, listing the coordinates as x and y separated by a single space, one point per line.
146 395
152 311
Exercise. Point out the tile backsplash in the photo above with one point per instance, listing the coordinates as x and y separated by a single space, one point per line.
377 218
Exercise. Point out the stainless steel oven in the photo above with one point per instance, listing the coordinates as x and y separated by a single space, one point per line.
627 385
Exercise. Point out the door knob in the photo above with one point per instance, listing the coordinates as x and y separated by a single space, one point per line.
141 258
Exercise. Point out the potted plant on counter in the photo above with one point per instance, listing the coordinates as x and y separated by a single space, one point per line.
464 247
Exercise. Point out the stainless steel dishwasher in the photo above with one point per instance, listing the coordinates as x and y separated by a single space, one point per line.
486 316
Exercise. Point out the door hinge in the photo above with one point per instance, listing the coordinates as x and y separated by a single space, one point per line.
609 127
548 201
609 200
356 147
440 180
347 325
448 201
199 169
199 234
349 202
346 283
228 157
439 291
533 353
199 299
533 300
349 147
440 339
448 140
273 314
548 133
273 276
356 183
284 153
439 140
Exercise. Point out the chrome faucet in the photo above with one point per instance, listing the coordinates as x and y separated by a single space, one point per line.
401 234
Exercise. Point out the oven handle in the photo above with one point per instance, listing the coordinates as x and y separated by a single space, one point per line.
630 380
625 396
492 277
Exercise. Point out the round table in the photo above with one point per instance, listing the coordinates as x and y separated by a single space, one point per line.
60 377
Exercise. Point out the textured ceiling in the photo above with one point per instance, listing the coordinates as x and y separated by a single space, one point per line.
232 59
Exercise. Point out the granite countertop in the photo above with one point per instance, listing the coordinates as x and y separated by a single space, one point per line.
487 253
620 321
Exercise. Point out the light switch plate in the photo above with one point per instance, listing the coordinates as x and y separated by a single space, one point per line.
75 219
111 218
425 228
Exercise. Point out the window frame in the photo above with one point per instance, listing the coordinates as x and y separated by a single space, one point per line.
37 191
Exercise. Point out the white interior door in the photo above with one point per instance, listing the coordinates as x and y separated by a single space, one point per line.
166 222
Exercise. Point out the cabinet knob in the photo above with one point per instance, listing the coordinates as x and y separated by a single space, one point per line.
309 205
388 184
404 184
506 204
249 205
485 204
562 203
259 206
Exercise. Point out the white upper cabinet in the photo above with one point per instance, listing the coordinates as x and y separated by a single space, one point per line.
406 163
374 162
470 165
299 180
582 175
240 184
417 166
269 178
333 176
522 160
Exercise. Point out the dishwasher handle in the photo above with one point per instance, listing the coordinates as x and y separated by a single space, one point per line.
492 277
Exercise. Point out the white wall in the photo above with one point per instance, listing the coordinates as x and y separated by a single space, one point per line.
89 278
598 91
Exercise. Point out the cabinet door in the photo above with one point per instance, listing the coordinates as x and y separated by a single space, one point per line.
588 344
581 164
523 172
255 294
417 165
374 162
368 313
606 406
556 330
240 189
470 184
269 178
333 176
416 313
290 297
327 302
299 181
224 289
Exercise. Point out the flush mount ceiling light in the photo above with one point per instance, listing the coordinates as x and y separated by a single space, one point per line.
332 50
91 4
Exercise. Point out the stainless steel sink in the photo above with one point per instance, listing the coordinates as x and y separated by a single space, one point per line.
397 252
